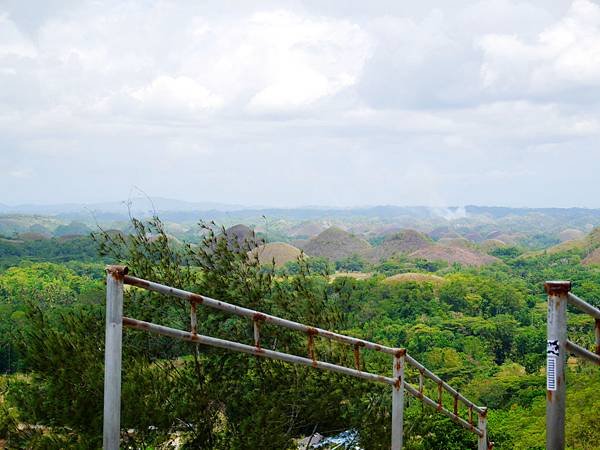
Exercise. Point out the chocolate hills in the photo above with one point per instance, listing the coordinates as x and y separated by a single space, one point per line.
592 258
402 242
279 252
415 277
335 244
454 254
239 237
587 244
570 234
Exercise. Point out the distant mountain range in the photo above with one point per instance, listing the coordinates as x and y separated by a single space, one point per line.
137 205
180 209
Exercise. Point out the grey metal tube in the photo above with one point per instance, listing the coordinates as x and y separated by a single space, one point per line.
584 306
597 334
482 441
112 357
256 351
415 393
221 343
584 353
255 315
432 376
398 403
556 357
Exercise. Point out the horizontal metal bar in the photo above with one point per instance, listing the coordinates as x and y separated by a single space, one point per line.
580 351
584 306
255 315
257 351
415 393
311 331
432 376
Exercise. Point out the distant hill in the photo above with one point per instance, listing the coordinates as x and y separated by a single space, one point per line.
415 277
587 244
570 234
492 244
457 242
335 244
136 204
280 252
443 232
240 236
451 255
592 258
31 236
23 223
404 241
72 229
307 229
529 228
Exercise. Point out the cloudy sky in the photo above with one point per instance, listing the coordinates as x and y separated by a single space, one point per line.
289 103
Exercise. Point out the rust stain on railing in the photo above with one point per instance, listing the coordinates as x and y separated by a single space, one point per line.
258 318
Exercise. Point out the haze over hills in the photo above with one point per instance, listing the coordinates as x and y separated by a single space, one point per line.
474 223
137 205
145 205
467 235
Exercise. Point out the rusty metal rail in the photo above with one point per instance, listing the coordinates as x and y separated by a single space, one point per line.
117 277
557 347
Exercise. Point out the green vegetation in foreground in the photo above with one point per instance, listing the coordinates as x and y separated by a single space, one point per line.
58 250
482 330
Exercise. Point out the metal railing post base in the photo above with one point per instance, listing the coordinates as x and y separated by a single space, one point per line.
556 357
398 401
112 357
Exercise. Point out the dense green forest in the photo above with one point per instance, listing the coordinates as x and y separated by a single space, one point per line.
481 329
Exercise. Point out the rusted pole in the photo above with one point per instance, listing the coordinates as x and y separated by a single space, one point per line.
578 350
398 400
254 315
583 306
556 357
400 357
597 333
252 350
482 439
256 327
193 318
432 376
112 357
434 404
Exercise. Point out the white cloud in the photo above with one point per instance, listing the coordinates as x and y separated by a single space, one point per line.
297 87
12 41
179 94
20 173
332 103
306 60
565 55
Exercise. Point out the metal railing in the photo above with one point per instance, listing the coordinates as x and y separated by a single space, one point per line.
557 347
116 279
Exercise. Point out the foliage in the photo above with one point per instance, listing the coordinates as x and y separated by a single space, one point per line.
482 330
59 250
354 263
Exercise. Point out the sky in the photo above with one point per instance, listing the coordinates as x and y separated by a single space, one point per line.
293 103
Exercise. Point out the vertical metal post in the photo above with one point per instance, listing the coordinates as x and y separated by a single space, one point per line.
556 357
256 327
193 318
597 333
482 441
398 401
112 357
